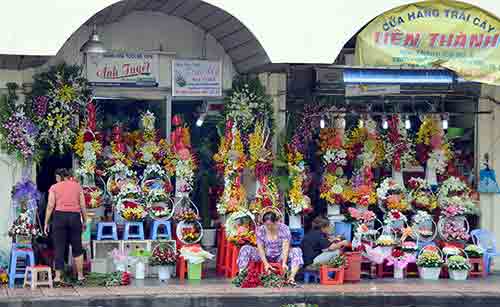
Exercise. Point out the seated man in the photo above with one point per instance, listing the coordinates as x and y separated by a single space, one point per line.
317 246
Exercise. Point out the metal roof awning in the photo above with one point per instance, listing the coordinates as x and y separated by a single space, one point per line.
399 76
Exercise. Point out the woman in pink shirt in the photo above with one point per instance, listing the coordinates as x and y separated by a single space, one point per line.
67 202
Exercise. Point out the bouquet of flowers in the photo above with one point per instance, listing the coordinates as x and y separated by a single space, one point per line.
409 247
385 240
93 197
394 216
429 259
158 212
195 254
399 258
297 200
360 216
455 193
421 196
474 251
163 255
458 263
392 196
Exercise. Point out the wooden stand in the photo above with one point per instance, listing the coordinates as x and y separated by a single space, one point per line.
45 272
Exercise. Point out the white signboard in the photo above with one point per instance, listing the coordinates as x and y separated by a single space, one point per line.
196 78
124 69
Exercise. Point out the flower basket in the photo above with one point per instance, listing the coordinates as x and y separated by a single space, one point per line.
189 232
132 211
458 275
454 229
161 211
429 273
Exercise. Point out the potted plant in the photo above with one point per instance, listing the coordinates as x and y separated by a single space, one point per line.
429 265
458 267
474 251
164 257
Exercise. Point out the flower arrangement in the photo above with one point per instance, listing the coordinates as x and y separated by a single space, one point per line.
158 212
334 189
455 193
25 195
260 156
392 196
458 263
409 247
190 234
474 251
67 95
248 103
385 240
132 211
267 196
22 227
423 224
432 148
163 255
395 216
400 259
186 214
429 259
195 254
453 230
360 216
421 196
399 148
245 236
365 145
297 200
93 197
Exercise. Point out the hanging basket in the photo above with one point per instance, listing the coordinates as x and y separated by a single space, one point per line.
162 211
425 230
184 203
457 222
189 232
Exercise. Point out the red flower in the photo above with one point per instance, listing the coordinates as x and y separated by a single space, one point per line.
176 120
397 253
168 187
266 202
88 136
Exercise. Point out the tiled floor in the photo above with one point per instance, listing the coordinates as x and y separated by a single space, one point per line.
218 287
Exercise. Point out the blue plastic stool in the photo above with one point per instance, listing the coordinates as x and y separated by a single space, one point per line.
311 277
100 231
343 229
166 235
297 236
16 272
136 235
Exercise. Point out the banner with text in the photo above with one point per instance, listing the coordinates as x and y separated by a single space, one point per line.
443 33
196 78
123 69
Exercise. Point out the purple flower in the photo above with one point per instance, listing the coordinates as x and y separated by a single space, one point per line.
41 103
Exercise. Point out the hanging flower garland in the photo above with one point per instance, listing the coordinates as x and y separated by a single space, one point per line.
60 98
399 149
18 133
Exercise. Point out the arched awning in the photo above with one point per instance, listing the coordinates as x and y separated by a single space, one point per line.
237 40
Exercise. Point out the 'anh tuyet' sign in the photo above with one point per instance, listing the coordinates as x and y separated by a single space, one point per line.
123 69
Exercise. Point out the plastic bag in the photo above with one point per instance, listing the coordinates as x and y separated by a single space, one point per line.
194 254
487 181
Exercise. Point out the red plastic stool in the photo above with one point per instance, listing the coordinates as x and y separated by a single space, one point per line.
384 270
326 279
352 272
368 268
478 268
232 269
221 251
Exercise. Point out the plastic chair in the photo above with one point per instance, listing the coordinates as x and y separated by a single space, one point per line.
16 272
105 225
487 242
297 236
128 233
343 229
166 235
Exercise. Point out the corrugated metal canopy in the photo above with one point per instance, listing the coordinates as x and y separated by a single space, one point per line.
236 39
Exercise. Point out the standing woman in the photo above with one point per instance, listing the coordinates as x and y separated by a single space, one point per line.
273 245
67 202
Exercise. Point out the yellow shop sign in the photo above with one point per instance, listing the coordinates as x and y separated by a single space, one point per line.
449 34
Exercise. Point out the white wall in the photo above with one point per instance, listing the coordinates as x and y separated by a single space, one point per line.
147 31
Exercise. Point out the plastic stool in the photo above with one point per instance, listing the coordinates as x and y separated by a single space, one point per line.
232 270
331 276
478 267
139 235
311 277
167 235
17 253
31 277
297 236
100 231
221 251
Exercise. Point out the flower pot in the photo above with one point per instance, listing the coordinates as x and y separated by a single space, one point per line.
194 271
333 210
208 239
459 275
429 273
295 221
164 272
398 272
140 270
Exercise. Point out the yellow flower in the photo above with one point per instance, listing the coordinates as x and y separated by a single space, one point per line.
66 93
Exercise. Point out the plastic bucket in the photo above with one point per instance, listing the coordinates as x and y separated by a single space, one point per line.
194 271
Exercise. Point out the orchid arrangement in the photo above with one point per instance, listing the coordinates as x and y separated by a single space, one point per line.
432 148
260 156
297 200
148 149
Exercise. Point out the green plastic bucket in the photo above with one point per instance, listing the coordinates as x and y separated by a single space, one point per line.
194 271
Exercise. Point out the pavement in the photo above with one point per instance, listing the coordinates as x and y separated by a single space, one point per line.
220 292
